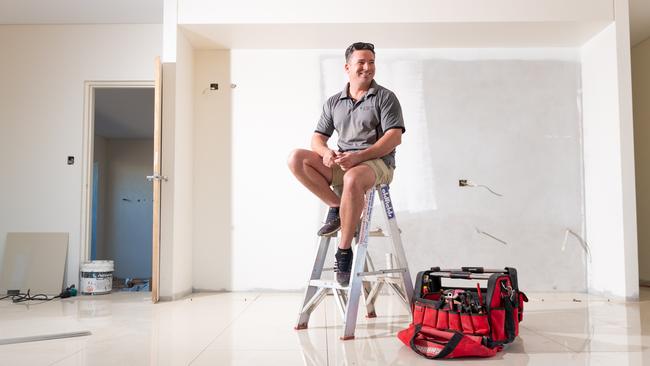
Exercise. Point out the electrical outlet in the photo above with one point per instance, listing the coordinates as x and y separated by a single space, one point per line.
13 292
462 182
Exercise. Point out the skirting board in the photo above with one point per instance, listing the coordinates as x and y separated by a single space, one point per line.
44 337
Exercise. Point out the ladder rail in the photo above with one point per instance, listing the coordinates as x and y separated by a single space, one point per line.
358 263
365 279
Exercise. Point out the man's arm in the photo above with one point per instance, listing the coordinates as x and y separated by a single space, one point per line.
387 143
319 146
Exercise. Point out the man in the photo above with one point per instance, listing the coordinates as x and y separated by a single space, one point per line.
368 120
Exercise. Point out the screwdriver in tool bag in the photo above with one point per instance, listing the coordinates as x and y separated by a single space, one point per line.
480 298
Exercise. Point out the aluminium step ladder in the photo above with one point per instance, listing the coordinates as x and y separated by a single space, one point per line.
363 275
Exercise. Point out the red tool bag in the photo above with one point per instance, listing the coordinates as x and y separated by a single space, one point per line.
451 321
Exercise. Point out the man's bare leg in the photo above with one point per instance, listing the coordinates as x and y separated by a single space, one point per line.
356 182
308 167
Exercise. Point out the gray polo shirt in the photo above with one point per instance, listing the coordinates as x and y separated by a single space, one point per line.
359 125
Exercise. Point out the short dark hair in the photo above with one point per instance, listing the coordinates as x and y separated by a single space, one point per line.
358 46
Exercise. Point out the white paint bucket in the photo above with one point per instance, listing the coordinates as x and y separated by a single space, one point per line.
96 278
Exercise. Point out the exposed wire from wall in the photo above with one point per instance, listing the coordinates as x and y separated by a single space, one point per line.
467 183
581 241
491 236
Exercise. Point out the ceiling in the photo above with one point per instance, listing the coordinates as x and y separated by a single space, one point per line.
151 12
81 11
392 35
124 113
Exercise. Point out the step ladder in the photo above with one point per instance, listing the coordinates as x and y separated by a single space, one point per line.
364 277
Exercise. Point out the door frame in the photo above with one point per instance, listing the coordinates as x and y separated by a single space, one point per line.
88 144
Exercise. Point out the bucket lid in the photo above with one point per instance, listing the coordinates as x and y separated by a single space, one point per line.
97 266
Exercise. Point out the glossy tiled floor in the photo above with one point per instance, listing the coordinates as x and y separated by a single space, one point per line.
257 329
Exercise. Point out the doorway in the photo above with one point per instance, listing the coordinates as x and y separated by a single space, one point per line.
118 156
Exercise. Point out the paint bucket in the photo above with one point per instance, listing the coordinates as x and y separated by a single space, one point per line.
96 278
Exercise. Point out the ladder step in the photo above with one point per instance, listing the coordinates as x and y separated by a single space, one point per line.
327 284
383 272
385 279
378 232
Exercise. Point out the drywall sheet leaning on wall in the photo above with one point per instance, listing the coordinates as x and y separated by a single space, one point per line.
35 262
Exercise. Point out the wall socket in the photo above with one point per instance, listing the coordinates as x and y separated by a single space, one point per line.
462 182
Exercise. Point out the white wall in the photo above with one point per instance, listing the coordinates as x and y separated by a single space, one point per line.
129 208
469 114
43 69
177 159
608 161
609 187
275 107
212 172
641 88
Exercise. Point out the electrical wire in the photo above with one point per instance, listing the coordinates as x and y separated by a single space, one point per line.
467 183
488 188
29 297
18 298
490 235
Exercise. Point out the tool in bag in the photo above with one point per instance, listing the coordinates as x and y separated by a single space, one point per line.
451 322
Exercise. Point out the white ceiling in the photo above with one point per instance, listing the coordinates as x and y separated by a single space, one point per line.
124 113
392 35
151 12
81 11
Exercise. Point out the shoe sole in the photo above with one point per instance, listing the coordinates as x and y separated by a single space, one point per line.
331 233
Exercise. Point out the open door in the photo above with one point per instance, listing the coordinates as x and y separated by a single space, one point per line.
156 179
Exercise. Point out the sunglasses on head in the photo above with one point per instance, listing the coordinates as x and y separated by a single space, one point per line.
363 46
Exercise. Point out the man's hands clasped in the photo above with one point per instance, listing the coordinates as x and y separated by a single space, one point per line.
345 160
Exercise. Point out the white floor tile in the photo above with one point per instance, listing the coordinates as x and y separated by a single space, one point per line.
257 329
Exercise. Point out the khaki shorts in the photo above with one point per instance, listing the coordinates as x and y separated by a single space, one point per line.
383 174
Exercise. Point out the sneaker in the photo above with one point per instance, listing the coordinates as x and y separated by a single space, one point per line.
343 266
332 223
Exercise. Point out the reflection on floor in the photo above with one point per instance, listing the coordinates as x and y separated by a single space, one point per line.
257 329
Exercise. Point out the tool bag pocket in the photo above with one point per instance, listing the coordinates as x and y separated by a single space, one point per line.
480 324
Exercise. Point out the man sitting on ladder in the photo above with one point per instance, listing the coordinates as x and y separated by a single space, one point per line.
368 120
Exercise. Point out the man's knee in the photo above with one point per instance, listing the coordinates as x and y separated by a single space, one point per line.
358 180
296 159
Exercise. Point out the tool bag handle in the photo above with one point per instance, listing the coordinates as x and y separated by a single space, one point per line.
446 344
445 348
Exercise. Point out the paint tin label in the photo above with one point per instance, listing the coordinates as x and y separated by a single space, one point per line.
96 283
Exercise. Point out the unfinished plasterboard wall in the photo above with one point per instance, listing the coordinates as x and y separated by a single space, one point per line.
470 114
579 15
41 126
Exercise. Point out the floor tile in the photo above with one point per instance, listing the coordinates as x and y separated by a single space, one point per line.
257 329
